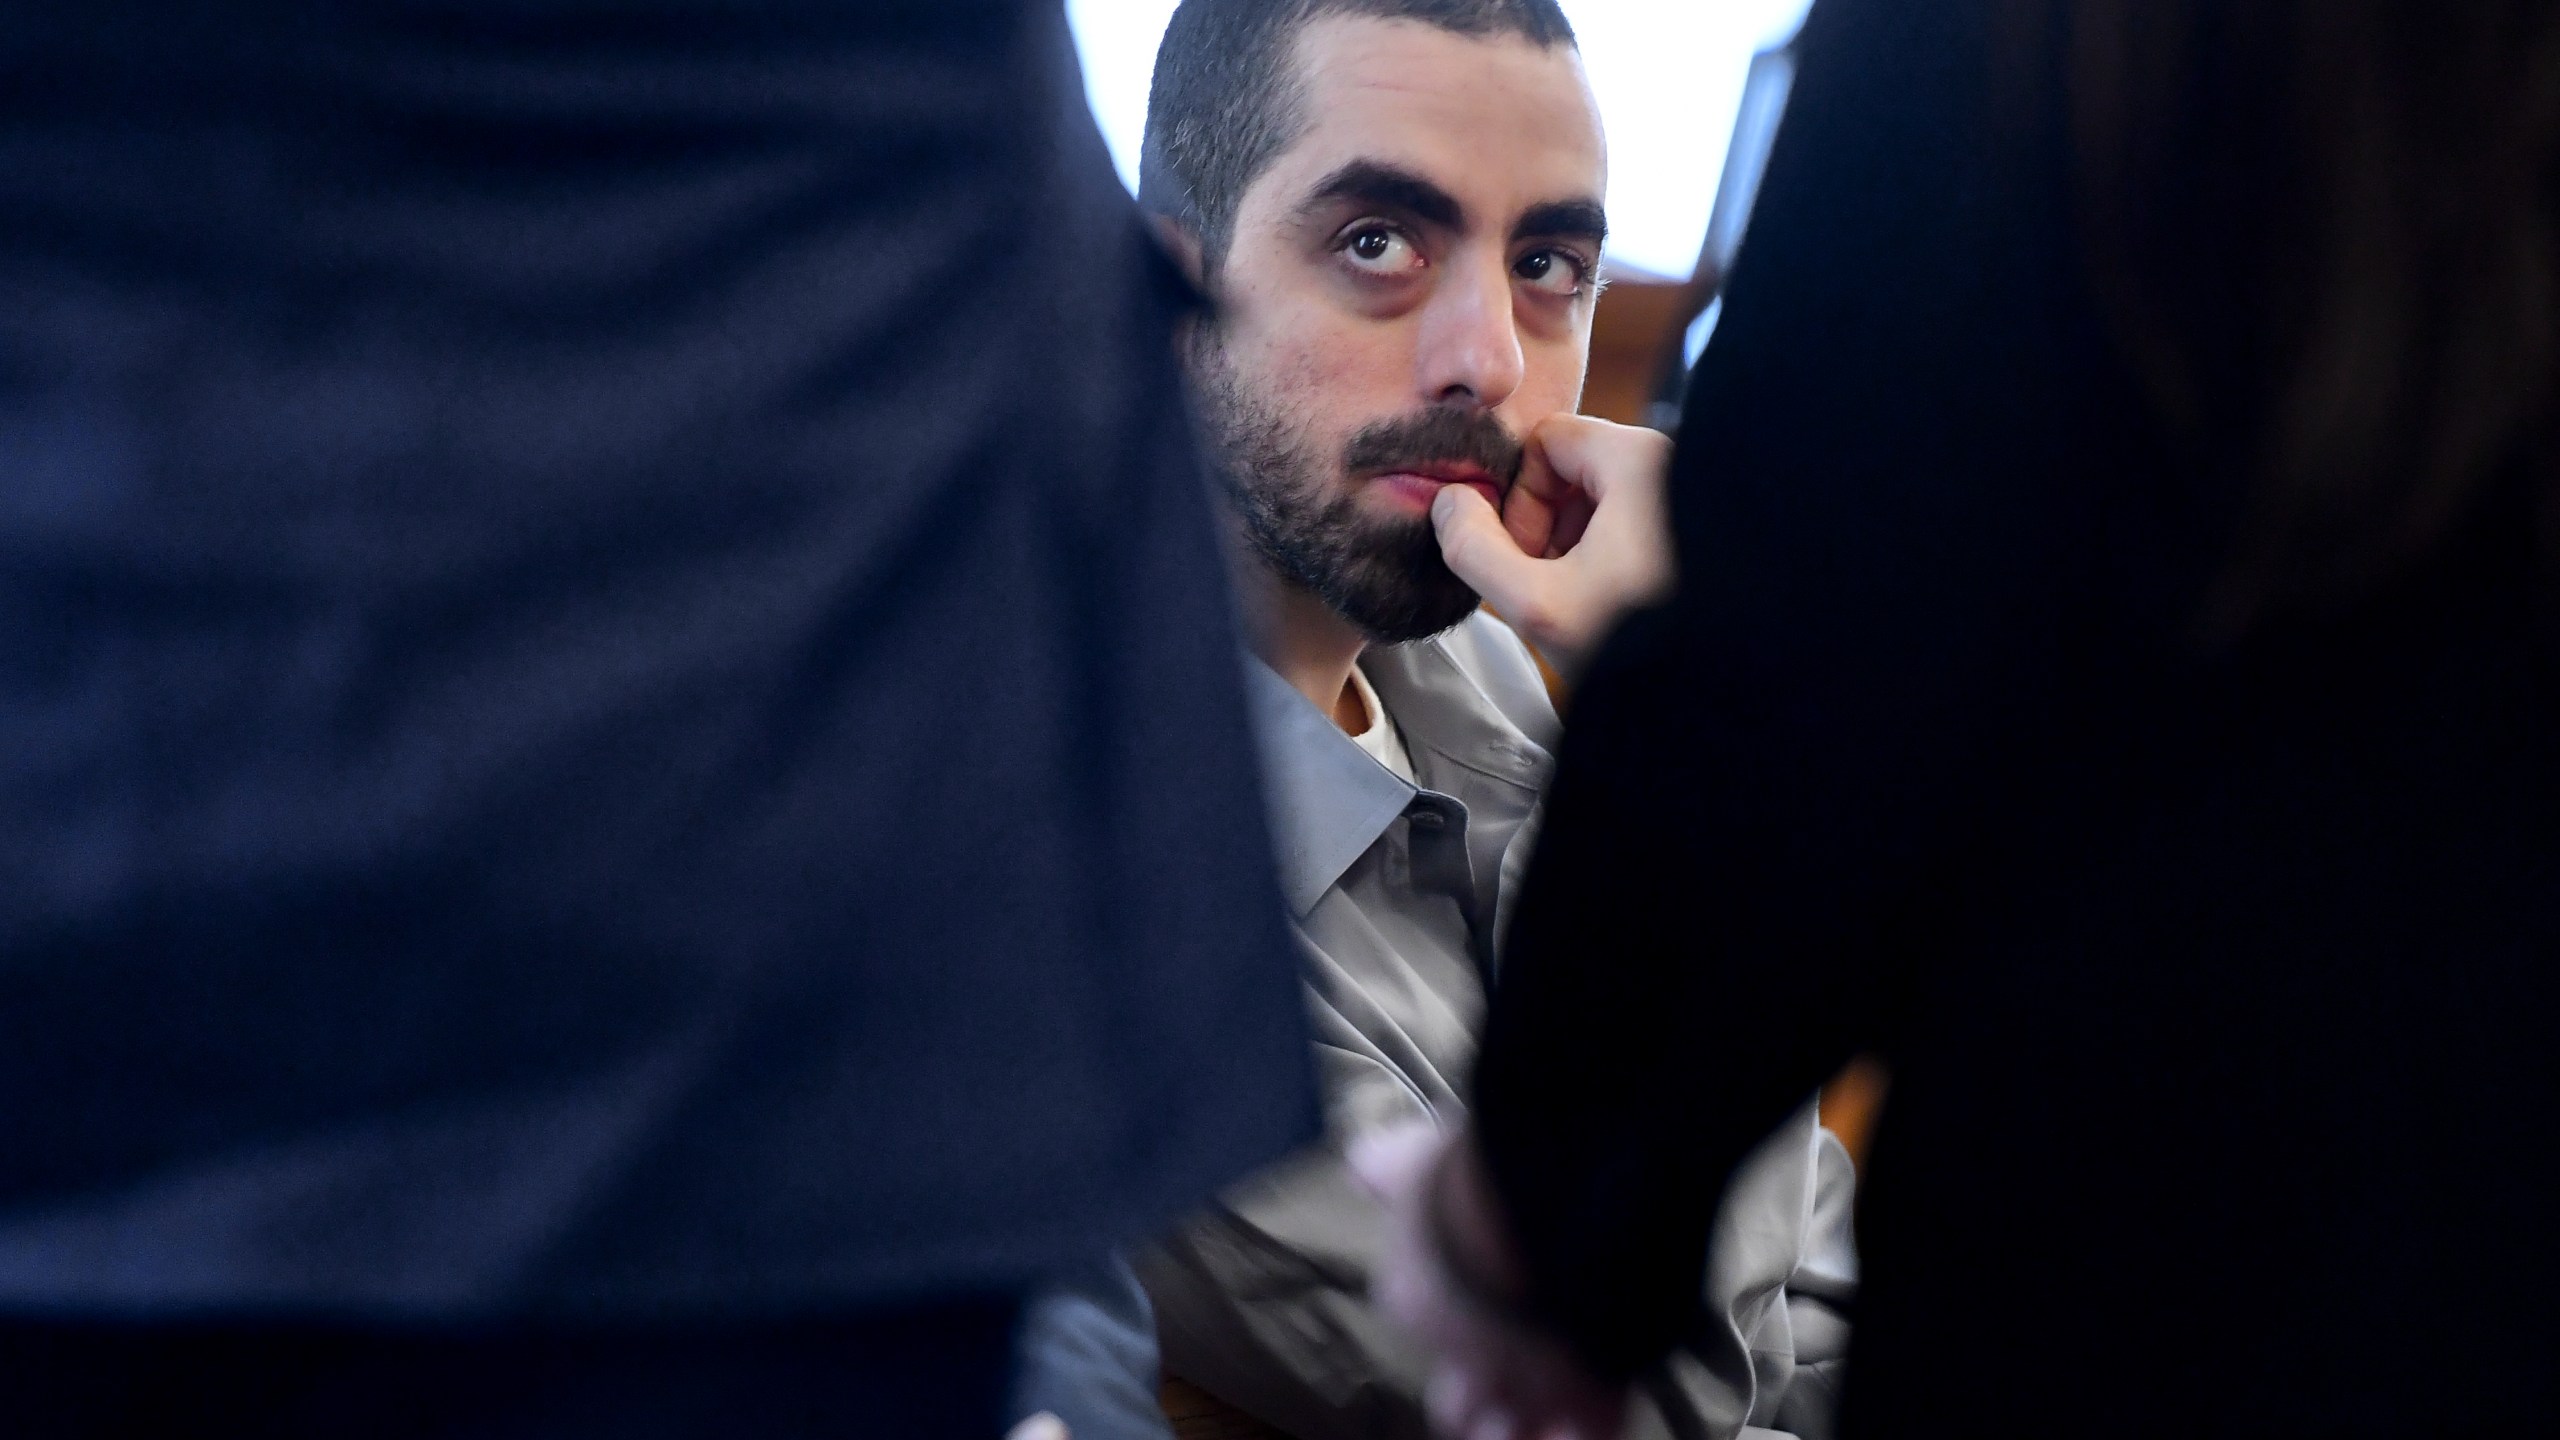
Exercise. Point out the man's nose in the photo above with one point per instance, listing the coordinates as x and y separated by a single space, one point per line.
1470 351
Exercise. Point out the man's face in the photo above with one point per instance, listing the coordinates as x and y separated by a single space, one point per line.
1408 291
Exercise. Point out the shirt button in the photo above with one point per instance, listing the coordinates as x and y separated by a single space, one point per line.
1427 820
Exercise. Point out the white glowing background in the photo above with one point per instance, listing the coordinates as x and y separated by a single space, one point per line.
1668 74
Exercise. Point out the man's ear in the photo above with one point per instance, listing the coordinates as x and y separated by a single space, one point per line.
1184 247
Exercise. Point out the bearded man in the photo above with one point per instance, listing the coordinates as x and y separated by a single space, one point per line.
1395 207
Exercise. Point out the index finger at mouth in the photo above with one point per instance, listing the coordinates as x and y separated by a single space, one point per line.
1589 453
1530 507
1564 442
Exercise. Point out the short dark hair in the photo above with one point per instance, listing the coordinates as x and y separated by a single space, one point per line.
1225 99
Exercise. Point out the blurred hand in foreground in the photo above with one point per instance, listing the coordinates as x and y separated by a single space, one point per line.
1584 535
1450 1276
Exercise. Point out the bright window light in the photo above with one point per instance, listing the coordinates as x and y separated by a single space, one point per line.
1668 74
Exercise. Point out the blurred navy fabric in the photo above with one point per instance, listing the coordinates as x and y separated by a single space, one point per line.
917 1370
617 690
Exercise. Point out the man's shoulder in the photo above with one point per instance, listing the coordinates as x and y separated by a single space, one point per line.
1485 647
1484 661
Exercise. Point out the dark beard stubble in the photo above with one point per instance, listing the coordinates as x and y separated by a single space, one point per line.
1384 575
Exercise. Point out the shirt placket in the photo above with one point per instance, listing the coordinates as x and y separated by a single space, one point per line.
1436 839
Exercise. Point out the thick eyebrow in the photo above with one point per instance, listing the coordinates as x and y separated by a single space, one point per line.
1567 219
1387 187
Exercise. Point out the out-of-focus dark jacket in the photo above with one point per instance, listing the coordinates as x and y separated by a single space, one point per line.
2217 985
615 694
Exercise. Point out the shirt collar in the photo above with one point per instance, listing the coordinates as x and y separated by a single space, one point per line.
1448 720
1329 800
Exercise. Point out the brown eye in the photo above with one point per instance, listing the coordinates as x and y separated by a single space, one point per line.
1552 272
1379 250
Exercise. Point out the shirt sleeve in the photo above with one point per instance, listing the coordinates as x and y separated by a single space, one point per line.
1819 1296
1264 1303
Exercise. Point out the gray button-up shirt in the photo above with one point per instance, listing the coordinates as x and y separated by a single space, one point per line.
1396 890
1399 893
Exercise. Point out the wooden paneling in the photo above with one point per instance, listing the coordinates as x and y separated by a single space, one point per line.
1852 1102
1634 334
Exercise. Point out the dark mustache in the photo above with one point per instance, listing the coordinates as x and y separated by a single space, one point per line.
1441 435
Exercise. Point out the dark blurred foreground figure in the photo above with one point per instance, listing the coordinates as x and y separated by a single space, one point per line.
625 808
2114 679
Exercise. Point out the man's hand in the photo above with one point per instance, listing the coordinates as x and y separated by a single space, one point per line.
1493 1376
1583 537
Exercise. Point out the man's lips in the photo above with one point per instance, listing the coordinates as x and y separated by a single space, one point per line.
1416 485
